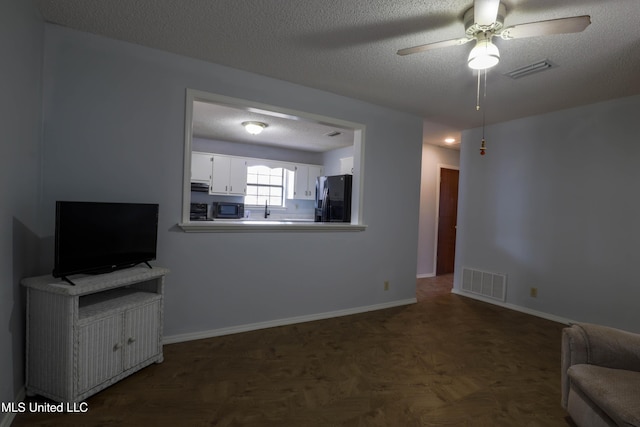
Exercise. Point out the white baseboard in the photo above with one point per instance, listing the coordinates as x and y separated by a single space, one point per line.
8 417
424 276
514 307
281 322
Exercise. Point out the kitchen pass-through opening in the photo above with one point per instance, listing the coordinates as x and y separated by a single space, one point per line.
295 139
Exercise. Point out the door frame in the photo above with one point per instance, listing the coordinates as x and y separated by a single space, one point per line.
437 214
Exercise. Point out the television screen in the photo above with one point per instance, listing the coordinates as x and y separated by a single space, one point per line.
94 237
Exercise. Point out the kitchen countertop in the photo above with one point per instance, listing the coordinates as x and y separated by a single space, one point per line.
265 220
260 224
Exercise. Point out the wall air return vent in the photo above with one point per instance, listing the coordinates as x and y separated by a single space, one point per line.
490 285
536 67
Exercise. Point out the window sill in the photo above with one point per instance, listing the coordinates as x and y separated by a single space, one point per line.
266 226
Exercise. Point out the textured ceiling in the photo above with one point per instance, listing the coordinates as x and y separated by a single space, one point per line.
349 47
221 122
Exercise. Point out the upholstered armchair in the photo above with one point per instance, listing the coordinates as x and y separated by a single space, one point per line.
601 375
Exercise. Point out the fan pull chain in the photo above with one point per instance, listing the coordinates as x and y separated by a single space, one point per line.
485 85
478 93
483 146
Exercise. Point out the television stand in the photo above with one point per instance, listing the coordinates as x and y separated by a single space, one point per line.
105 270
81 339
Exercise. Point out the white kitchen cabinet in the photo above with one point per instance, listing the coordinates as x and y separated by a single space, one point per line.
229 176
201 167
346 166
238 176
83 338
305 181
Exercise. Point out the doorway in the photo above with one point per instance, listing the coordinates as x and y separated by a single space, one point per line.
447 219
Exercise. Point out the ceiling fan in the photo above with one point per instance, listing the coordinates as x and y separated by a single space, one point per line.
485 20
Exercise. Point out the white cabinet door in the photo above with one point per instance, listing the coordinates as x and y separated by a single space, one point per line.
314 173
229 176
104 352
238 176
220 175
200 167
99 351
346 166
141 334
305 181
300 189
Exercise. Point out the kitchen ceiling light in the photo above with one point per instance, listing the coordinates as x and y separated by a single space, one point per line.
484 54
450 140
254 128
536 67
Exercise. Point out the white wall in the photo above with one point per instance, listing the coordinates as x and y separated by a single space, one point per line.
432 158
114 131
21 47
554 205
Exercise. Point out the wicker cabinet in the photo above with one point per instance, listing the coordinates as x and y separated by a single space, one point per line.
83 338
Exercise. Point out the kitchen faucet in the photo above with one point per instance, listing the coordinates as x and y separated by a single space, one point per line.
267 212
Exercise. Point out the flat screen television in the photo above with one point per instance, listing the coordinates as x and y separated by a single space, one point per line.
99 237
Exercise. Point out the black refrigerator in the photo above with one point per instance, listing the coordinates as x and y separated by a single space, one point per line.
333 198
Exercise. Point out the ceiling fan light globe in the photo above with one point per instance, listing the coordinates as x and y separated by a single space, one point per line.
484 55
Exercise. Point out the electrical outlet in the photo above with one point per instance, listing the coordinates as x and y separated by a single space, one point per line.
533 292
386 285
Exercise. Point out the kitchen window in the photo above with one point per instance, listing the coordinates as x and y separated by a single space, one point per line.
265 185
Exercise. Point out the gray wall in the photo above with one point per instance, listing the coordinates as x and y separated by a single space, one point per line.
554 205
432 157
114 131
21 47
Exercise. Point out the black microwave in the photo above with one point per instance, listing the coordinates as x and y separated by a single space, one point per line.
227 210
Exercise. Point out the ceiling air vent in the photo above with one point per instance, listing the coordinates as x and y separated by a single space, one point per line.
333 133
536 67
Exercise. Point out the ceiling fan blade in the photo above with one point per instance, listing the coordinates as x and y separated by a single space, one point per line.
574 24
431 46
485 12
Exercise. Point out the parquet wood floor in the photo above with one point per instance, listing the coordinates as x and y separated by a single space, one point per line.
445 361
